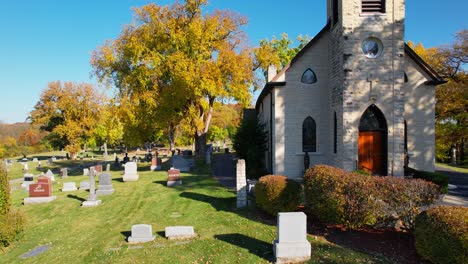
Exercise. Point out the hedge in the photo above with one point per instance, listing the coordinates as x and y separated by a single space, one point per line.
441 234
438 178
334 196
11 224
277 193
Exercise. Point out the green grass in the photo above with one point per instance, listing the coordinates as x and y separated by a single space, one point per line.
98 234
454 168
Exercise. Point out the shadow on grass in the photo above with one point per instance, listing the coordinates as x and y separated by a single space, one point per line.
126 235
258 247
220 204
161 234
118 179
163 183
72 196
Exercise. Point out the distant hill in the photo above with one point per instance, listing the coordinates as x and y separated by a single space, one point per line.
13 130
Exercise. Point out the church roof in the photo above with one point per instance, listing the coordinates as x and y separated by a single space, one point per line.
436 79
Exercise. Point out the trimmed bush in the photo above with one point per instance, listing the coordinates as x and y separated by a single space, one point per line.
11 224
323 187
336 197
438 178
277 193
441 235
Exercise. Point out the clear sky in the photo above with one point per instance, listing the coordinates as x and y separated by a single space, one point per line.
48 40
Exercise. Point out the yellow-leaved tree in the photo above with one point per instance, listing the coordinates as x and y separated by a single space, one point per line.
173 63
70 112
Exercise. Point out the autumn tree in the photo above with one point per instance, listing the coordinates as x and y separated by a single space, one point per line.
69 111
277 51
175 62
452 97
109 128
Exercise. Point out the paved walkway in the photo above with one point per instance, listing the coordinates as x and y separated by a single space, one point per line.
457 196
224 170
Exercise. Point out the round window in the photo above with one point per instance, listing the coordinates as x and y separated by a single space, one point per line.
372 47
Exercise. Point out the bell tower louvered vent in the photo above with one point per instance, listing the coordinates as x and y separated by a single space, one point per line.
375 6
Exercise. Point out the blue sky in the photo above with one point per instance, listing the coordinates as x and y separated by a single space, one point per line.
48 40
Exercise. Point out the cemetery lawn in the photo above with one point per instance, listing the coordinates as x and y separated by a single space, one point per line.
98 234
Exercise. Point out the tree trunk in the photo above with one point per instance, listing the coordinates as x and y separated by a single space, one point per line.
171 136
200 144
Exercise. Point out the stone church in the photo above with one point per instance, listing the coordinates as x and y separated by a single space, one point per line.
355 97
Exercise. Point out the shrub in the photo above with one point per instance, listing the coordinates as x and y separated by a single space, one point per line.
336 197
441 234
323 187
4 191
11 224
276 193
438 178
401 199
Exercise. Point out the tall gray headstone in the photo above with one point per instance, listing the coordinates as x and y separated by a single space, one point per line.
291 244
105 184
241 184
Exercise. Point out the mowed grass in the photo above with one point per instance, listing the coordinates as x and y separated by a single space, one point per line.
98 234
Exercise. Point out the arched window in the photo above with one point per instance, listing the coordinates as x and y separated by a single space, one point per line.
372 120
309 135
309 77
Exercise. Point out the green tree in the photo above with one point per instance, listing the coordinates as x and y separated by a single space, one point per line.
69 111
277 51
250 143
5 200
174 63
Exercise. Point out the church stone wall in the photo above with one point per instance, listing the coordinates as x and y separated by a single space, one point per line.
420 118
373 81
294 103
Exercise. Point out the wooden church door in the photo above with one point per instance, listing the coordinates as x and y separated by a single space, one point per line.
372 150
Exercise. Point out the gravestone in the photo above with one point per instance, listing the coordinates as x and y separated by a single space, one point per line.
98 168
85 172
40 192
179 232
108 168
69 187
54 159
130 172
25 167
92 201
241 184
50 175
39 164
84 185
141 233
35 160
50 161
64 172
155 164
27 180
105 184
173 177
291 244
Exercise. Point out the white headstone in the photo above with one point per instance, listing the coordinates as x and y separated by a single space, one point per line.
291 244
179 232
85 172
84 185
130 172
141 233
50 175
69 187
